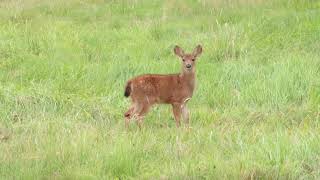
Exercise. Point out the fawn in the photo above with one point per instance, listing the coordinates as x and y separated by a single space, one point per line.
175 89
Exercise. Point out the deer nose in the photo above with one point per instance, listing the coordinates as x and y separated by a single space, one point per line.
188 66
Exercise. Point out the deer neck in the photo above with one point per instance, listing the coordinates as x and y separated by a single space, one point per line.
188 79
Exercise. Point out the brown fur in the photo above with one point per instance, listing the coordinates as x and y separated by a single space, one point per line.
175 89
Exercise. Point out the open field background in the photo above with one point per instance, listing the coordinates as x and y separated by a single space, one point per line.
254 115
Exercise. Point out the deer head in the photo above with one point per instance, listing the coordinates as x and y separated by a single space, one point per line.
188 60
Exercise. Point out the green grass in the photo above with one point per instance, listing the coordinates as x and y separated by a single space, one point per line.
254 114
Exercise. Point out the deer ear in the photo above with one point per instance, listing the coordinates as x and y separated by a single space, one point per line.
197 51
178 51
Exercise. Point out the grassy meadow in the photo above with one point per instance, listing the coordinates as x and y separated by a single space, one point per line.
255 113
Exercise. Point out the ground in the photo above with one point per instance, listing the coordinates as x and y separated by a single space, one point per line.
254 114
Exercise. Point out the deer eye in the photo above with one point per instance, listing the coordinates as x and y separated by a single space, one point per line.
193 59
183 60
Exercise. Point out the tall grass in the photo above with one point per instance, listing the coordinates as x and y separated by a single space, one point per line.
254 115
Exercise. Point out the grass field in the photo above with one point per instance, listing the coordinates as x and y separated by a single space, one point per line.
255 113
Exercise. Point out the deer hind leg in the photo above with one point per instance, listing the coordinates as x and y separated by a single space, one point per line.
128 115
176 108
131 113
137 111
140 115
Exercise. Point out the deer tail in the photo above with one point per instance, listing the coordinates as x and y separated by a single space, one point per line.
128 89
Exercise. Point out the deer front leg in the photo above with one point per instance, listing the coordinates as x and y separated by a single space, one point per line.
177 113
185 114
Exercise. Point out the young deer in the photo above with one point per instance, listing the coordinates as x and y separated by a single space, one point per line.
175 89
